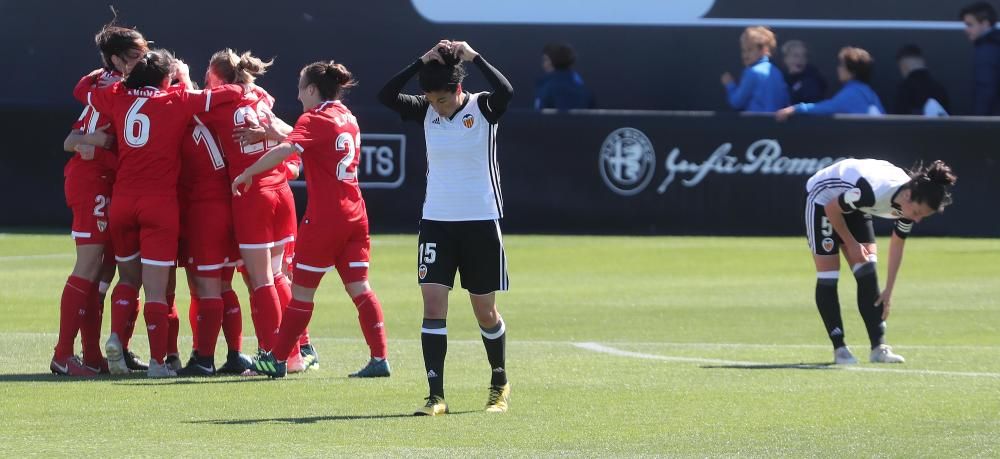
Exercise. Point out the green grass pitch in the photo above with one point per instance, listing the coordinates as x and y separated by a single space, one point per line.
618 346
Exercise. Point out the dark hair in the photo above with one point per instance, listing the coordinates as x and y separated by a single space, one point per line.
982 11
858 62
908 51
330 78
931 185
561 54
241 69
435 76
114 40
151 69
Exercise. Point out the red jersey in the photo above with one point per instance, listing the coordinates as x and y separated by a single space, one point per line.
203 168
150 123
105 160
328 138
253 108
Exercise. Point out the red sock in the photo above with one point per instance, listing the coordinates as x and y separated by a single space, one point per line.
193 319
265 301
372 325
72 305
232 321
133 319
209 325
124 304
90 327
304 339
174 325
157 327
284 289
294 322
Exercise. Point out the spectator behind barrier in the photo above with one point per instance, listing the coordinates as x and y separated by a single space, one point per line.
561 87
805 83
854 70
980 20
918 93
762 86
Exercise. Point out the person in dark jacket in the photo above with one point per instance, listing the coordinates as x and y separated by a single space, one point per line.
805 83
854 70
562 87
918 93
980 19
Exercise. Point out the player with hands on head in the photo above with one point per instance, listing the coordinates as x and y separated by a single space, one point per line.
460 223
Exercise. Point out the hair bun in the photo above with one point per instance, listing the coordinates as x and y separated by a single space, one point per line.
941 173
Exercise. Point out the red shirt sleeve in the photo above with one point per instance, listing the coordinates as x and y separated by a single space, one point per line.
203 101
304 134
85 85
101 98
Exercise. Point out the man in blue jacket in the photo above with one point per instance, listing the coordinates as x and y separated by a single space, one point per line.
562 87
762 86
855 71
980 19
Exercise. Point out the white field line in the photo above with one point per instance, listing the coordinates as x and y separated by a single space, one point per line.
572 343
596 347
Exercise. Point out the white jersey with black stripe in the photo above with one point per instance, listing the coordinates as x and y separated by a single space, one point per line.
463 179
866 185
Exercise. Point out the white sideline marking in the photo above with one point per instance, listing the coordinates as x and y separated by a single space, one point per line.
597 347
35 257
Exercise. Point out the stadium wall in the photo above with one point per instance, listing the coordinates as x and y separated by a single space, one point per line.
601 172
634 54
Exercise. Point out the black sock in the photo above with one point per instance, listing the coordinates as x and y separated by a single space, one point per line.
495 340
868 293
828 303
434 340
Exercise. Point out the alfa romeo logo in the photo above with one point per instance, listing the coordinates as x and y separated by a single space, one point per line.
627 161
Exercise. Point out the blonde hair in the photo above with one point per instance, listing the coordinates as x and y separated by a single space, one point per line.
760 36
242 69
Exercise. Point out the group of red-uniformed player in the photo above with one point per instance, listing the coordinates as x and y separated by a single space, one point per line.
199 179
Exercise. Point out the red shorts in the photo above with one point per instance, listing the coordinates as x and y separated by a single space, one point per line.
145 227
323 247
264 218
89 199
207 242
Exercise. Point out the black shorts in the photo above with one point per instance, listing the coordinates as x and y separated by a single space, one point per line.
472 248
823 240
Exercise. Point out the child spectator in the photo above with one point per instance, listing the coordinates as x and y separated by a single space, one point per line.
854 71
762 86
805 83
561 87
918 93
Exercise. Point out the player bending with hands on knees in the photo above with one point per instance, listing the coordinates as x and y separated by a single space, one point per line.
333 233
460 224
840 202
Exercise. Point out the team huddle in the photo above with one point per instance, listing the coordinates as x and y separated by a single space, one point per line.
199 180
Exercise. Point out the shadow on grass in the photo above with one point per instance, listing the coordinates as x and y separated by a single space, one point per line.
775 366
312 419
183 381
50 377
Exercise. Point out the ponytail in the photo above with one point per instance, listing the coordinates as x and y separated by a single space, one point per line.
241 69
932 185
332 79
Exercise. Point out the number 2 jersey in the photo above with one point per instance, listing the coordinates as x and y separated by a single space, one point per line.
328 139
